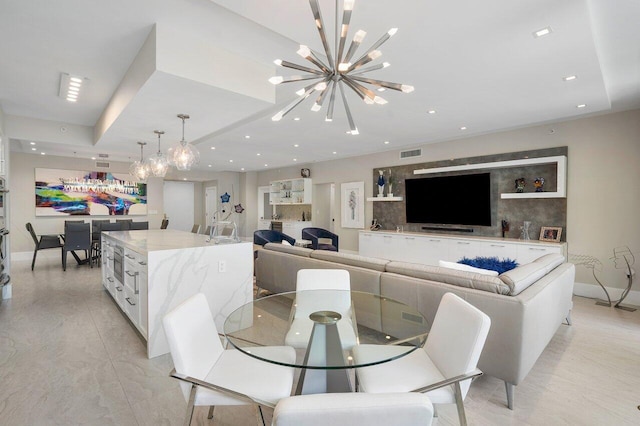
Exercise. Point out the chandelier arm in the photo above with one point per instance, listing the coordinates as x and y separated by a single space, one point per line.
295 78
346 19
364 60
379 43
332 100
379 83
352 126
317 15
355 43
360 90
291 65
368 69
320 100
284 111
315 60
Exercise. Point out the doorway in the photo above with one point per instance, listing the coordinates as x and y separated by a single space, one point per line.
179 204
324 206
211 205
265 210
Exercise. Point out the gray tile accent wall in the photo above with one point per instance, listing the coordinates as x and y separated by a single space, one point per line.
541 212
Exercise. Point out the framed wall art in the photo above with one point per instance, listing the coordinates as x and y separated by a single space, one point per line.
75 192
352 205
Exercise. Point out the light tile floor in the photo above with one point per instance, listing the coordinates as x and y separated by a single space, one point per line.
68 356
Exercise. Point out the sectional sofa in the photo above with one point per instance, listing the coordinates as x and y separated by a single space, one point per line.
527 305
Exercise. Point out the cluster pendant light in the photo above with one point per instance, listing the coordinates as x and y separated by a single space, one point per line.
158 164
338 71
140 169
183 155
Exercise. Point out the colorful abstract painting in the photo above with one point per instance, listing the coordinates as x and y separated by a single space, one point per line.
73 192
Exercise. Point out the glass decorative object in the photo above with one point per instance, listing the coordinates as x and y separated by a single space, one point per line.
224 232
140 169
524 234
158 164
183 155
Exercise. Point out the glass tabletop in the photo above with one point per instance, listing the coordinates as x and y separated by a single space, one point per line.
360 318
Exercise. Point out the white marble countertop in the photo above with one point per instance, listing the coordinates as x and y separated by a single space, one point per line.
145 241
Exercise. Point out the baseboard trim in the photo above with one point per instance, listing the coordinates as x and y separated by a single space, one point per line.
594 291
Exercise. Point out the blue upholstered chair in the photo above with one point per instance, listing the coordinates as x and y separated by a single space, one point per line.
314 234
264 236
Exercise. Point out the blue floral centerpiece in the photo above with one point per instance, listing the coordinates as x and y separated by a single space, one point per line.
490 263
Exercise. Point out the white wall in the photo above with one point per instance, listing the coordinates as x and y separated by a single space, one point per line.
603 173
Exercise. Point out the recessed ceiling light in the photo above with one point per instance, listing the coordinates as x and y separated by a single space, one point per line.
381 89
463 128
295 159
334 152
242 169
431 111
247 137
542 32
70 87
32 143
93 158
75 80
184 178
266 165
296 145
231 161
210 165
570 77
386 142
33 149
296 119
42 153
581 106
72 99
258 154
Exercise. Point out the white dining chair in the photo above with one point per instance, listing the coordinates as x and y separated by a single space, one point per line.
309 302
210 375
443 368
354 409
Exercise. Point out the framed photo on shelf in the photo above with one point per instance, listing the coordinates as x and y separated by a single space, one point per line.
550 233
352 205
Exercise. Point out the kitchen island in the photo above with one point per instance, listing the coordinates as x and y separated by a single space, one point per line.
149 272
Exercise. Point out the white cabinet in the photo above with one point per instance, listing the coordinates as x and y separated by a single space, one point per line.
135 288
430 249
290 191
264 224
294 228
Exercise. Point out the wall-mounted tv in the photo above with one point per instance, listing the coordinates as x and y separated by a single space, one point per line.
450 200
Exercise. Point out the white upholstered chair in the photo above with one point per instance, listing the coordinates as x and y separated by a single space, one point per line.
211 375
307 303
354 409
443 368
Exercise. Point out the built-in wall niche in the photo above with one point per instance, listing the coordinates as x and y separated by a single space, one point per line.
541 210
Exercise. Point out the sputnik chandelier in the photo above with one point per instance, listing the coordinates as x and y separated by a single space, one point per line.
339 71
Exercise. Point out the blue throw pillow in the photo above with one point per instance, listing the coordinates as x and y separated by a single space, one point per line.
491 263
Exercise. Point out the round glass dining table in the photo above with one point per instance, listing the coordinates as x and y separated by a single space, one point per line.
323 326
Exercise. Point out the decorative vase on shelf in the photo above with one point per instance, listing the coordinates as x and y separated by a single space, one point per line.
524 234
390 190
381 183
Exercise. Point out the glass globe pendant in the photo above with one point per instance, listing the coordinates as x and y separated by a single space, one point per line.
140 169
158 163
183 155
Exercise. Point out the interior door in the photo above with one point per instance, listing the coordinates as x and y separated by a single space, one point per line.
211 204
179 208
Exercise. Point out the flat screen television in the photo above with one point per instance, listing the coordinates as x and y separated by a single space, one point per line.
449 200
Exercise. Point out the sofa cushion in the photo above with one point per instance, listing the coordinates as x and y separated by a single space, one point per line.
450 276
550 261
298 251
351 259
463 267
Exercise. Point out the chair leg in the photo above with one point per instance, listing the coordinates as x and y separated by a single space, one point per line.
64 260
261 415
191 405
210 415
460 405
33 262
509 387
568 318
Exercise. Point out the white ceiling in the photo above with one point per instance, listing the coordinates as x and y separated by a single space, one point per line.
476 63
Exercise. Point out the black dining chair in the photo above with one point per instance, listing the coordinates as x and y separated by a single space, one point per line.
97 245
165 223
42 243
77 236
138 226
125 224
315 234
95 229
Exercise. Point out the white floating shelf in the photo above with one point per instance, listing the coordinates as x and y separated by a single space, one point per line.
514 195
384 199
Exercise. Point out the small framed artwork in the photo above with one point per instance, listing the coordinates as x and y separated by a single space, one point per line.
353 205
550 233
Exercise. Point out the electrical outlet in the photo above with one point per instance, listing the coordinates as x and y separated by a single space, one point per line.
222 266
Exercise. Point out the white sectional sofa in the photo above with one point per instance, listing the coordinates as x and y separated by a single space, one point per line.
527 305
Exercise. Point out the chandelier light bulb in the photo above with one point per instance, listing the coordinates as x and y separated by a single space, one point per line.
392 31
278 62
276 80
374 55
348 4
316 107
304 51
278 116
380 100
359 36
342 67
406 88
321 86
